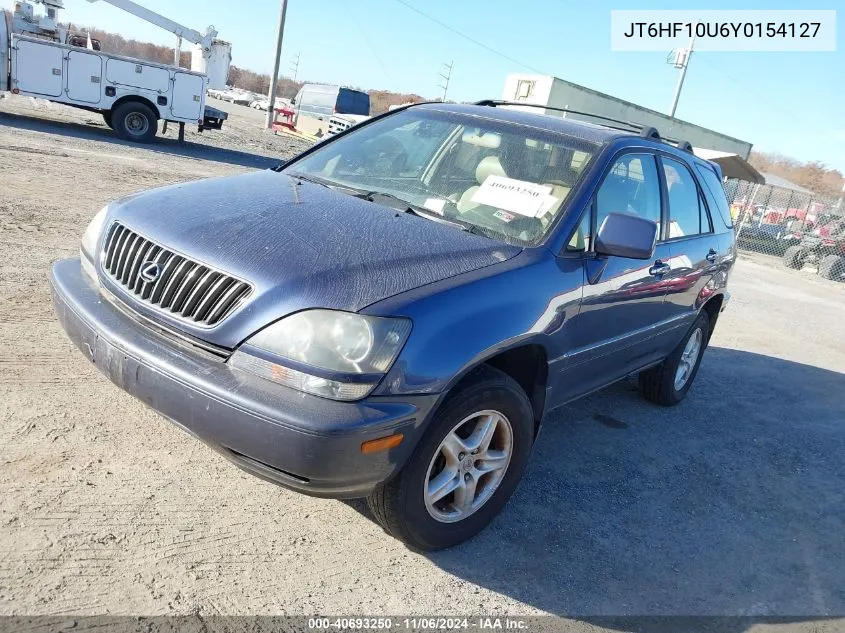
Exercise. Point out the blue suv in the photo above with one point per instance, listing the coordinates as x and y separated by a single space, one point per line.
393 313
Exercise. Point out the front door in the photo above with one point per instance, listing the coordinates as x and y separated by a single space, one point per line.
622 313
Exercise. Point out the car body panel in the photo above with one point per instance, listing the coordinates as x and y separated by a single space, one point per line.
619 328
309 246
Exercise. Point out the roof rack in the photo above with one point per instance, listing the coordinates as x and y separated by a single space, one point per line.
645 131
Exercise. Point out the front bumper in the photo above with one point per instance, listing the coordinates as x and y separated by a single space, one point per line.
300 441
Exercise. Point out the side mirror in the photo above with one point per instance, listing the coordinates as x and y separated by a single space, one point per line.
623 235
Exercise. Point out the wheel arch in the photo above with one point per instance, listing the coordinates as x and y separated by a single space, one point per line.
713 307
524 361
137 99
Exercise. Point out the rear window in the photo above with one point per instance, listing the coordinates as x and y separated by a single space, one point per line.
353 102
717 191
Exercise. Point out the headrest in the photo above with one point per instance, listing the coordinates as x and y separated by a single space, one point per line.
489 166
490 140
559 174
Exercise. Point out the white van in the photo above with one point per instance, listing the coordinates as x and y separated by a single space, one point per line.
321 101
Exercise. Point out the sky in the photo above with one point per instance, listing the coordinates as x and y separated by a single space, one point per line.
791 103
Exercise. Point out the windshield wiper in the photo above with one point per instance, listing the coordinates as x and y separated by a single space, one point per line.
389 200
312 179
400 204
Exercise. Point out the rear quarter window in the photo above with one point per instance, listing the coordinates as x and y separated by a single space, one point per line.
714 187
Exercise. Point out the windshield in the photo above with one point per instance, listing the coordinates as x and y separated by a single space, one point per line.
503 180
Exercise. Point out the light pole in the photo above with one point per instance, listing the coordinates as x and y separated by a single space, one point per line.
271 115
681 61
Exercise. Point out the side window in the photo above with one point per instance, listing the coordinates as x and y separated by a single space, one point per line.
687 213
712 182
631 186
580 241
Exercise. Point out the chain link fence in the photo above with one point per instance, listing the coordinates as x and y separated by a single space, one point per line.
796 226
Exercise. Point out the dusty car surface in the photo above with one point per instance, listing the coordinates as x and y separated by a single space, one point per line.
393 313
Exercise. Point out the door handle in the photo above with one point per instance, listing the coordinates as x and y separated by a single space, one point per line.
711 255
659 268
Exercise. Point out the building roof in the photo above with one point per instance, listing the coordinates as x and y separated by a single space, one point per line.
783 183
661 115
733 165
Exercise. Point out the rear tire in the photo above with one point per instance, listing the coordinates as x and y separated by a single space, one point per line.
408 506
107 118
795 257
832 267
134 121
669 382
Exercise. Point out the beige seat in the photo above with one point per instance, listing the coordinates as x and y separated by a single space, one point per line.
489 166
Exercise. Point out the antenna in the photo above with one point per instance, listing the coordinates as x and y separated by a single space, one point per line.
446 78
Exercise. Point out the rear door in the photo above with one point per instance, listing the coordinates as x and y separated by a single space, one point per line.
38 67
622 323
695 248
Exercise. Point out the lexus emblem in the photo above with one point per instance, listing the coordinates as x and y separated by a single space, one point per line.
150 271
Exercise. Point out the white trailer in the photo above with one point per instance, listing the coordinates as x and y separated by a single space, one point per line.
132 95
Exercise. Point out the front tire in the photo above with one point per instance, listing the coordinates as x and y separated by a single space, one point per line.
107 118
832 267
669 382
134 121
795 257
464 469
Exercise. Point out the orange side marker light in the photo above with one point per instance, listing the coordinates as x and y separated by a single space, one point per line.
381 444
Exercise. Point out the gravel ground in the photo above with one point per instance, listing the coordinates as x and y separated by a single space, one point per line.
729 504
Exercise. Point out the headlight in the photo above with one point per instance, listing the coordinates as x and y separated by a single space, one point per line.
88 246
92 233
338 355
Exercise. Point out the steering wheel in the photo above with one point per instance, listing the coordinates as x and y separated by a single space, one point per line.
388 155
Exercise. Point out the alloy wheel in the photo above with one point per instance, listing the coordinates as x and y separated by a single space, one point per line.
688 359
468 466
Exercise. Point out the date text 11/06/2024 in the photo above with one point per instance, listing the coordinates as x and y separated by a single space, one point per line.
418 623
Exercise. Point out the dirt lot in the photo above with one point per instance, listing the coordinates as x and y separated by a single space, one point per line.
730 504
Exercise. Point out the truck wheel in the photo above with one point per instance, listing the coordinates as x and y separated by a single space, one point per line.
795 257
134 121
107 118
832 267
668 383
464 469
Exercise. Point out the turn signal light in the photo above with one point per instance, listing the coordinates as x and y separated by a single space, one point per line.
381 444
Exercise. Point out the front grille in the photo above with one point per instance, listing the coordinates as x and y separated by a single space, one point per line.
336 125
184 288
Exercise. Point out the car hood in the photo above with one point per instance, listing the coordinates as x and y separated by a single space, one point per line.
300 245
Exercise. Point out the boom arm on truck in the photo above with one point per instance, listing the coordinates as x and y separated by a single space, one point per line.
181 32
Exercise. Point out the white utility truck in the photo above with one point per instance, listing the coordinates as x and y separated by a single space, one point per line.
132 95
